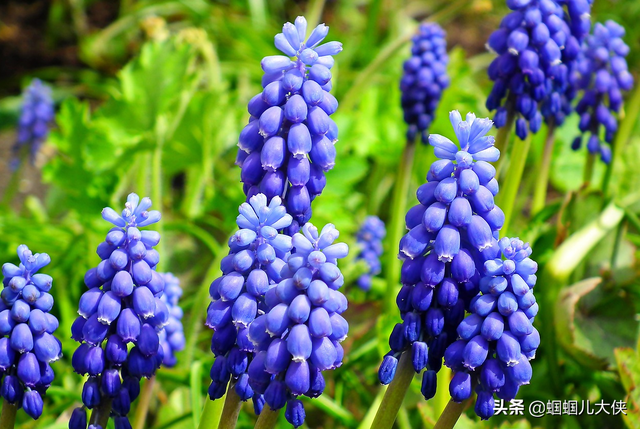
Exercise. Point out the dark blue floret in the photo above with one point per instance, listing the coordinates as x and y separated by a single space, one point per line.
300 333
27 345
454 235
603 76
496 342
36 116
124 304
288 144
425 78
369 238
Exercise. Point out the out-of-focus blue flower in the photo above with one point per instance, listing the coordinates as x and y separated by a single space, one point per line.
35 117
424 79
603 75
27 344
369 239
252 267
172 336
288 144
497 340
537 45
299 335
452 231
122 305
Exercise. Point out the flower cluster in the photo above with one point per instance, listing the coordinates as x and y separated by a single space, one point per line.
27 346
121 307
36 115
497 340
300 334
602 74
172 336
288 144
251 268
425 77
369 239
537 43
452 231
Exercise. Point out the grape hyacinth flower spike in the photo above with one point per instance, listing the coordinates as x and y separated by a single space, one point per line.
36 115
452 231
121 317
424 79
536 44
497 340
369 238
27 343
251 268
603 75
172 338
288 144
300 334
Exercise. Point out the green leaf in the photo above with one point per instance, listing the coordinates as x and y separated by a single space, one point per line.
629 369
591 322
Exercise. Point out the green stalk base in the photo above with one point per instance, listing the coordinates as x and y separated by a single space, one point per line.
507 195
231 409
450 415
542 182
8 416
386 415
268 418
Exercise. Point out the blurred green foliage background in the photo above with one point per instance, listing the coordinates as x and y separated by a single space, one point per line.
151 97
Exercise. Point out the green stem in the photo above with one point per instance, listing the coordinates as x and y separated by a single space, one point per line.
507 196
450 415
542 181
373 409
618 242
442 397
143 404
268 418
632 109
396 227
13 186
394 395
210 418
588 169
100 414
231 409
314 12
156 180
8 416
502 141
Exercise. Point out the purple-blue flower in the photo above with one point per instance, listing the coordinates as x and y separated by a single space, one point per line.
299 335
172 338
603 75
369 239
497 340
288 144
122 314
27 343
252 267
452 231
424 79
537 45
36 115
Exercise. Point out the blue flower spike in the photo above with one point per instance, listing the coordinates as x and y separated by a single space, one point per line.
122 315
453 230
299 335
369 239
251 269
36 116
27 344
603 75
497 340
172 338
288 144
424 79
538 44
